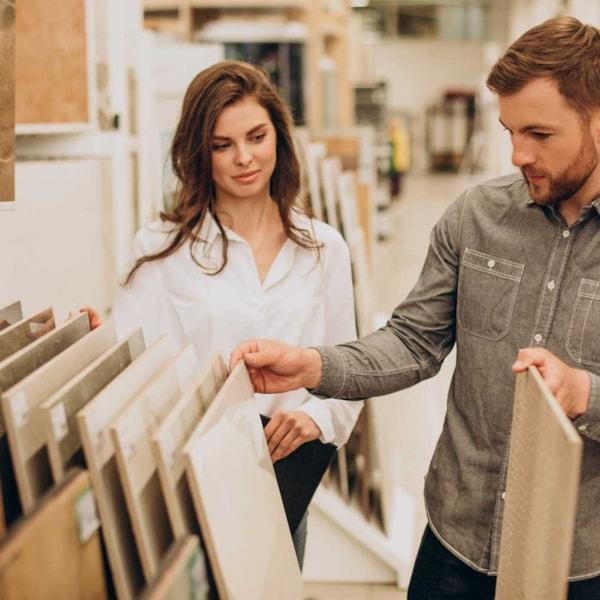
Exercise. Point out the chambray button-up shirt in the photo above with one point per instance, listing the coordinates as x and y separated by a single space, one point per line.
501 273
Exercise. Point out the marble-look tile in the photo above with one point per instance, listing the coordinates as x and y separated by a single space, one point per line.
237 499
24 332
10 314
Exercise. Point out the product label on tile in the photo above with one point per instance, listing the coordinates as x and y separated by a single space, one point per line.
19 409
86 514
59 422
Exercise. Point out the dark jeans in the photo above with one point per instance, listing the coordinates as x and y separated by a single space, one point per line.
439 575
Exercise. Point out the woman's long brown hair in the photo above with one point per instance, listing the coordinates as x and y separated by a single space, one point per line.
207 95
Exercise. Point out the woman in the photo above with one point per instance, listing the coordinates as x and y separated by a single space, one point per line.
235 258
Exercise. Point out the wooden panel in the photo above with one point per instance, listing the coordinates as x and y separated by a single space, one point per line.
51 91
21 333
55 552
541 496
59 410
171 436
93 421
137 466
20 407
10 314
183 574
331 167
7 102
315 153
237 499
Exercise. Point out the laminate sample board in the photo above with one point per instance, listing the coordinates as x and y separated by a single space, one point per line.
20 407
171 436
94 420
55 552
237 499
58 412
541 496
137 466
17 336
13 369
53 91
183 574
10 314
7 102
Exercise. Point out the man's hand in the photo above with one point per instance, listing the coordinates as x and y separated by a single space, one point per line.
570 386
275 367
288 430
93 316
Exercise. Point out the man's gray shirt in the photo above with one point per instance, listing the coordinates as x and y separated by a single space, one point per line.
501 273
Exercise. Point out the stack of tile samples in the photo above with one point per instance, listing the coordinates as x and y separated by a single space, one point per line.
105 441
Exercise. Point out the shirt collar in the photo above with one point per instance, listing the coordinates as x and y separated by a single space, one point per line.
594 203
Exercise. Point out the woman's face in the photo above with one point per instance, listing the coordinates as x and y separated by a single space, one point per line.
244 151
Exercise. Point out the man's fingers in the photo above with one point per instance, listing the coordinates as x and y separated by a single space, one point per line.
296 443
273 425
238 354
261 358
285 427
284 447
528 357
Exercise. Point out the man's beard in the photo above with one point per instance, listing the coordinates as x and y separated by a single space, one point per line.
571 180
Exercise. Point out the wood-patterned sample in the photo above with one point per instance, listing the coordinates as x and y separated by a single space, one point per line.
171 436
59 411
237 499
10 314
137 466
20 406
52 91
94 420
55 552
183 574
541 496
20 334
7 101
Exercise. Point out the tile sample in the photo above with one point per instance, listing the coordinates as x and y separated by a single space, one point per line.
171 436
17 336
58 412
10 314
20 407
94 420
237 499
541 496
183 574
56 552
7 101
331 167
138 471
13 369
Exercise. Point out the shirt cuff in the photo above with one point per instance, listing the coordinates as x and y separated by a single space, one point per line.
588 423
333 375
321 415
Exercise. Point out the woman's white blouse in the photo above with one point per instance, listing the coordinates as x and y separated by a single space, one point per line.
301 302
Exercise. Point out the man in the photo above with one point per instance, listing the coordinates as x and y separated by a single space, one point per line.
513 270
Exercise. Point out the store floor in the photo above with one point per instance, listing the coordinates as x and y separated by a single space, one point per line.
397 265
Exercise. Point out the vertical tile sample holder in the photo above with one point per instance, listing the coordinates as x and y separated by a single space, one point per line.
138 471
171 436
13 369
20 406
10 314
183 574
18 335
93 421
58 412
55 552
237 499
331 167
541 496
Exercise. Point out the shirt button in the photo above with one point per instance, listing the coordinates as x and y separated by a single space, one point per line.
491 264
582 428
566 233
551 285
503 495
538 337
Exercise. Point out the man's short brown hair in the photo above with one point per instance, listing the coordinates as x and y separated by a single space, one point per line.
562 49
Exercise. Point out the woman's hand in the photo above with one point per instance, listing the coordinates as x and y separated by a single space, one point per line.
288 430
93 315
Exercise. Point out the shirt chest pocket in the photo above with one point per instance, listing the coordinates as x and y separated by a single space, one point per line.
583 339
487 291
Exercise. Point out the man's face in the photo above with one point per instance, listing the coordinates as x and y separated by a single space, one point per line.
552 146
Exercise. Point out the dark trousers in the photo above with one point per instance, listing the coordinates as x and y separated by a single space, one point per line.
439 575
